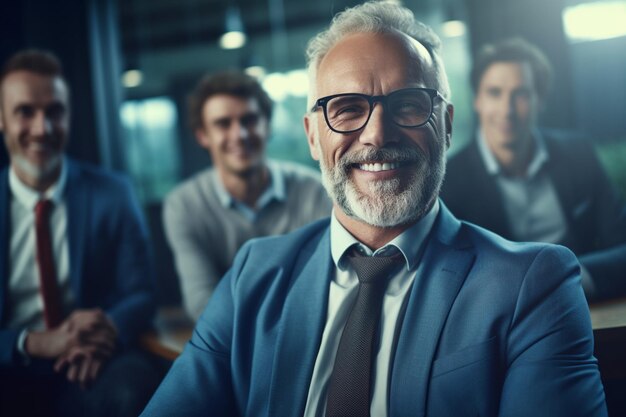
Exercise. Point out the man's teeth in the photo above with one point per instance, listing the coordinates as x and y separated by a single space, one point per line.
376 167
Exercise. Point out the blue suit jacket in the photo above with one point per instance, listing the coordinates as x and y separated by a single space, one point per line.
109 253
491 328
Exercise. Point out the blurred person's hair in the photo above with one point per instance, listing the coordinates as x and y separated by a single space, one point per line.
232 83
515 50
33 60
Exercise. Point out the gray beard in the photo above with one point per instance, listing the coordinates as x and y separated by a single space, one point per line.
386 203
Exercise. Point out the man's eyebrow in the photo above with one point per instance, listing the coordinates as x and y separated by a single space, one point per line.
54 105
250 114
221 120
22 105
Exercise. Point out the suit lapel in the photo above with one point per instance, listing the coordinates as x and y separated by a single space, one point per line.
5 209
442 271
298 340
488 204
77 199
560 173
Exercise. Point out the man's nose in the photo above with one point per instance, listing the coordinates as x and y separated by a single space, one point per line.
41 125
239 131
510 105
377 131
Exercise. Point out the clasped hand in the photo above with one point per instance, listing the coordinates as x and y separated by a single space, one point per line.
80 345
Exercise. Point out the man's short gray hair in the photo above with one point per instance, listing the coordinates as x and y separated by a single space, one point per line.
375 17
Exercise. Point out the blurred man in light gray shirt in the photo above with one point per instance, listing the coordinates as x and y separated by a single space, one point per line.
209 216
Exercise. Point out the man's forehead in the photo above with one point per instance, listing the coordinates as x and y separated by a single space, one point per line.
382 55
27 85
227 105
508 72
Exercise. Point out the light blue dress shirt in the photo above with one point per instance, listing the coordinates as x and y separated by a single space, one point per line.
342 294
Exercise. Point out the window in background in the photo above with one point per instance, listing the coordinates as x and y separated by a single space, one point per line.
456 58
289 91
152 153
595 21
597 39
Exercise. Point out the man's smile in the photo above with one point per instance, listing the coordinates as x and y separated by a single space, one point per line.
378 166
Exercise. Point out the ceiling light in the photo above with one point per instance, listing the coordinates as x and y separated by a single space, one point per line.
255 71
276 86
234 37
132 78
453 28
232 40
298 82
595 21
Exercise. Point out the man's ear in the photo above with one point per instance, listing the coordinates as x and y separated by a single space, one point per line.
203 139
449 117
310 130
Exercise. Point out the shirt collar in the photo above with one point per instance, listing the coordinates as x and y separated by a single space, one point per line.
493 167
29 197
274 191
276 188
409 242
541 155
490 161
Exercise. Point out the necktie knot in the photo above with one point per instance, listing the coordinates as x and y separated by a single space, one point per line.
370 269
43 209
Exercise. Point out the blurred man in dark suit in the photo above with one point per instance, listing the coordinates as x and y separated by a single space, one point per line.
531 185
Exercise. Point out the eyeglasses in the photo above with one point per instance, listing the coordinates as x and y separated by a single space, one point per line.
349 112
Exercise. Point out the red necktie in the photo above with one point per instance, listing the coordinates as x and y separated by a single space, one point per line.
48 286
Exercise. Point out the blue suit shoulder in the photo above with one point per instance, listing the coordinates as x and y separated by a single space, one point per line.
517 270
105 188
494 245
276 261
98 176
287 245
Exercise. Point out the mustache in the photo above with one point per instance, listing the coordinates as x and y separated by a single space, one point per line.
387 154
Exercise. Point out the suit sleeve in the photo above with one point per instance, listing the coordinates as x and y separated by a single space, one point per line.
133 310
551 370
200 382
8 347
196 271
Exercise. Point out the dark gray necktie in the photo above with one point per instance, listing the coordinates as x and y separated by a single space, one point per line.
350 383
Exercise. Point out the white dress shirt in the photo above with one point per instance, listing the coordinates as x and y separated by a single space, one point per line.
26 306
341 297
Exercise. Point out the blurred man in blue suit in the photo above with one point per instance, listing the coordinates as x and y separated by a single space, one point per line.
468 323
75 277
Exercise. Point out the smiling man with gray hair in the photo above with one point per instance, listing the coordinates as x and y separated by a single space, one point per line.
392 307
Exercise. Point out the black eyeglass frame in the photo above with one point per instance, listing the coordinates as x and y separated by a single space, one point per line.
322 102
